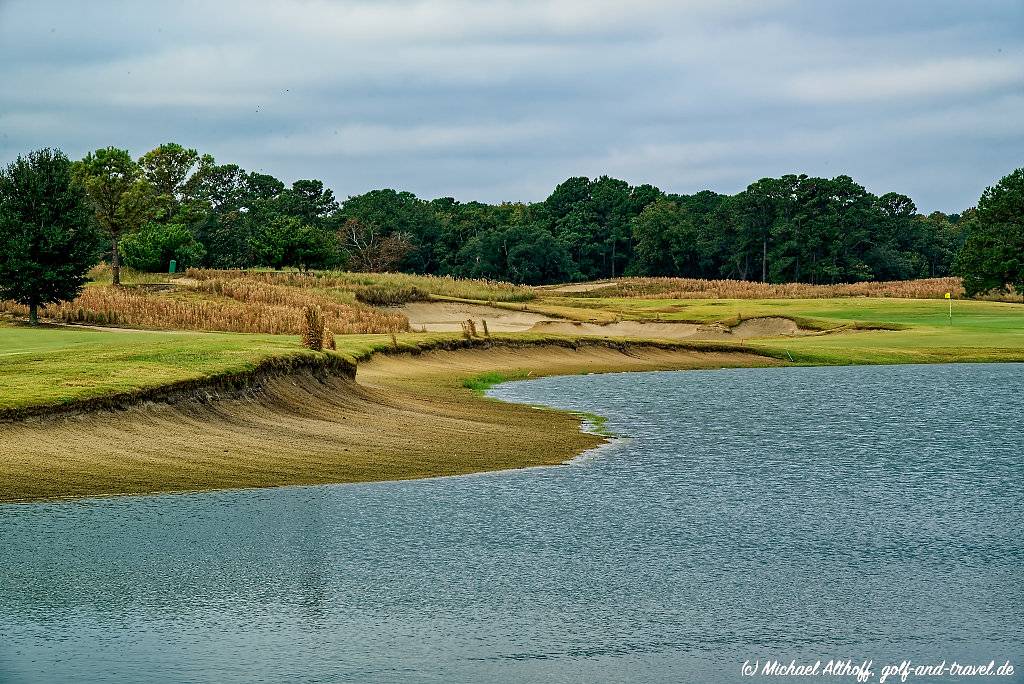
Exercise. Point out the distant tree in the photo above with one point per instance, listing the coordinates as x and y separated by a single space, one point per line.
369 249
121 198
992 257
400 212
308 201
175 174
894 252
224 229
535 256
286 241
758 209
458 224
152 247
593 219
670 240
658 233
314 247
939 237
485 255
48 236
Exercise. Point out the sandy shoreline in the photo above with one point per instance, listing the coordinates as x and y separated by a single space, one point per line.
403 417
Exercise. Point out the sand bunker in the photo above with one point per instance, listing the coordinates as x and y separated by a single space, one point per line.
449 316
755 327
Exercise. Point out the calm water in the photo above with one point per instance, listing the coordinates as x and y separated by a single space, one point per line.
865 513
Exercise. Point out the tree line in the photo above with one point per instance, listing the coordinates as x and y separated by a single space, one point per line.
174 203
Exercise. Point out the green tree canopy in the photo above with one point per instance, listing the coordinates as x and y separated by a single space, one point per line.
175 175
46 228
121 197
286 241
992 257
152 247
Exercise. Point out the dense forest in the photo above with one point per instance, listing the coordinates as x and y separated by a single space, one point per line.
187 207
174 203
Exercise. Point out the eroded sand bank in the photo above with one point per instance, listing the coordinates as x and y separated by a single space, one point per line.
403 417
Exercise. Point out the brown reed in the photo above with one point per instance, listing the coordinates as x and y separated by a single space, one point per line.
695 288
313 328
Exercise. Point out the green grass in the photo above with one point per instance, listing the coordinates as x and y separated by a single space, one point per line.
921 329
57 365
596 424
485 381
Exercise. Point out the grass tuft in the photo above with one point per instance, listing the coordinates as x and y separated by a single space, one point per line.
485 381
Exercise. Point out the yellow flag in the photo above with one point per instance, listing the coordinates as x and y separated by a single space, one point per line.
947 296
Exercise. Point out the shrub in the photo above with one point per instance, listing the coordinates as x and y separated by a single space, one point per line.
154 246
390 295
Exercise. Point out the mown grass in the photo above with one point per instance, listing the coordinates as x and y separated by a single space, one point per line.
57 365
54 365
919 330
826 313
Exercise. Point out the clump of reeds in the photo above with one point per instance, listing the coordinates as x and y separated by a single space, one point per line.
329 341
471 326
313 328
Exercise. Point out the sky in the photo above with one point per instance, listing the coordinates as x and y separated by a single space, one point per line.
501 100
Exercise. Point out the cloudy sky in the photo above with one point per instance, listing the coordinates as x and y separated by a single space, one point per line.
501 100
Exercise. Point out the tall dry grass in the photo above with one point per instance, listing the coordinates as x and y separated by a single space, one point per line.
386 288
102 275
228 306
313 331
693 288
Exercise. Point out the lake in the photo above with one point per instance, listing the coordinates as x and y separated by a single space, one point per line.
869 513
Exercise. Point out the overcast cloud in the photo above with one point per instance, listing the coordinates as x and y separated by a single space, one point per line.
502 100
